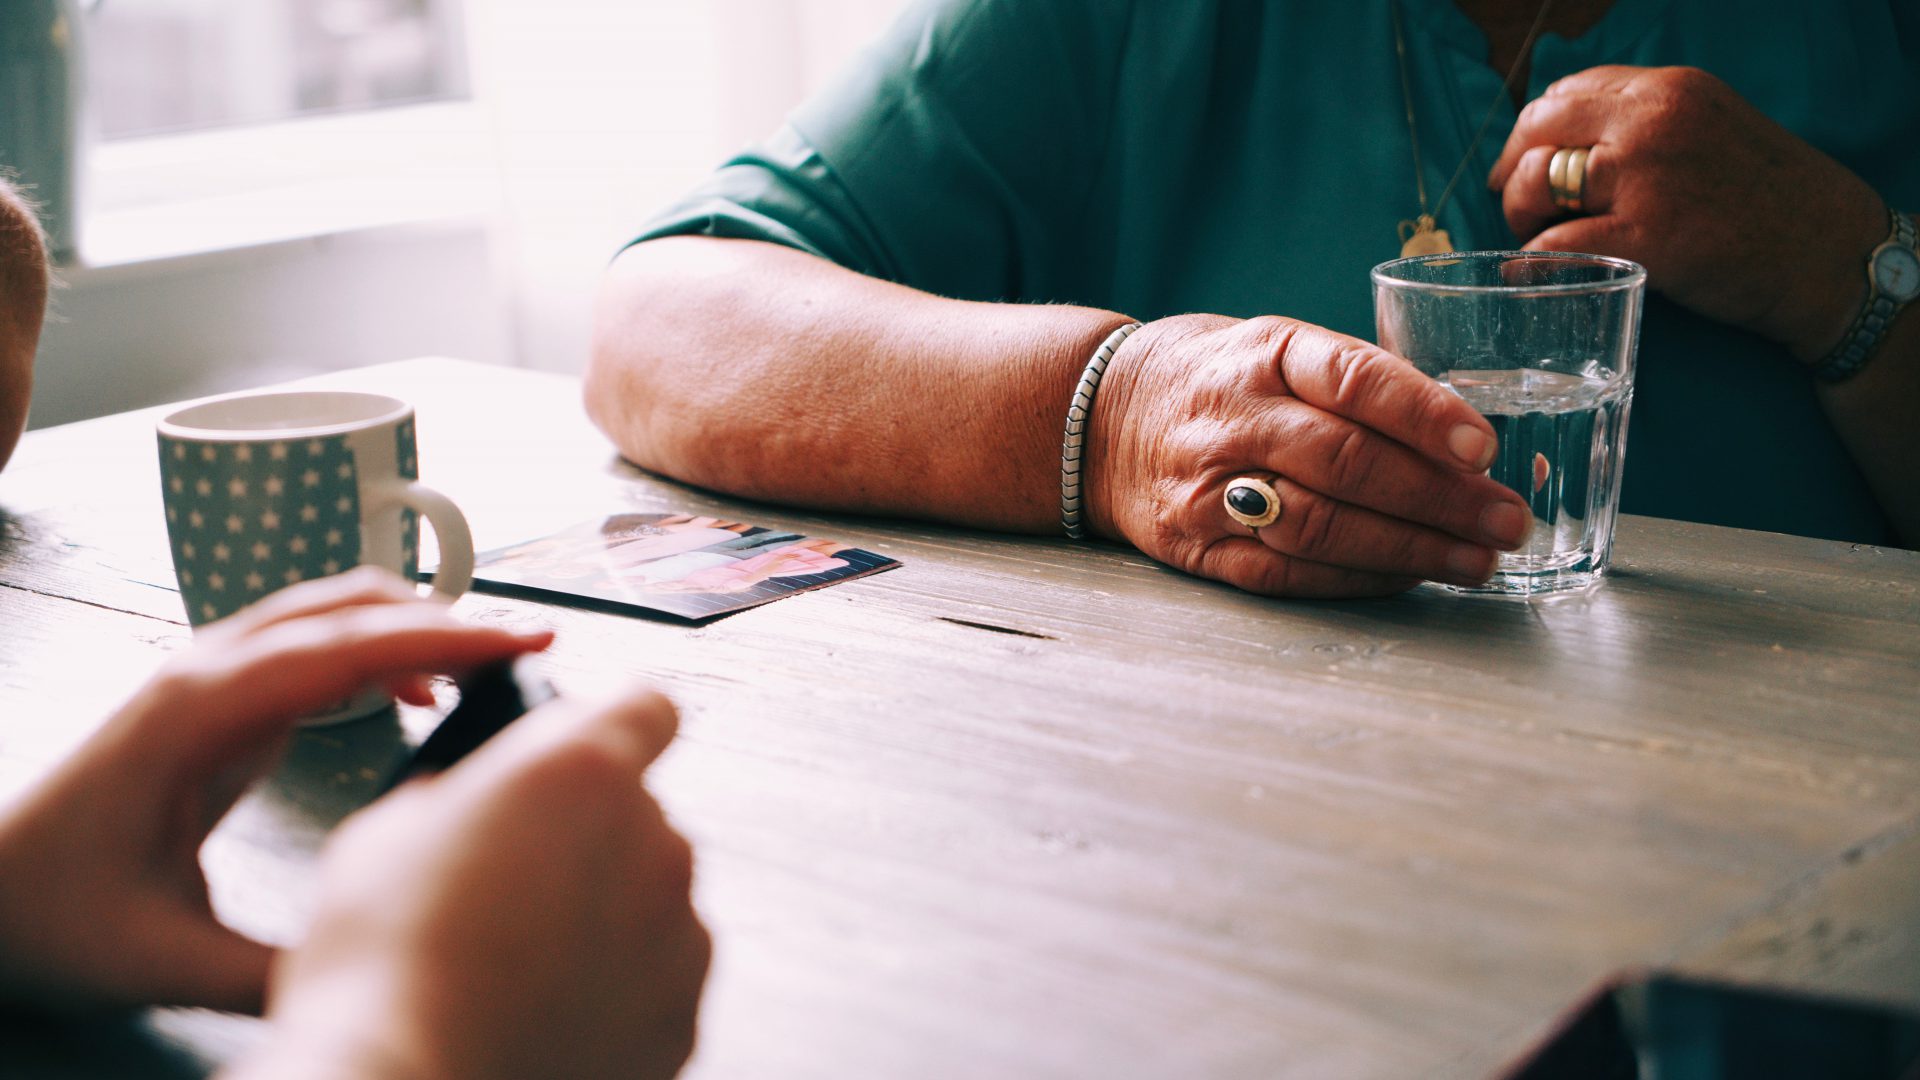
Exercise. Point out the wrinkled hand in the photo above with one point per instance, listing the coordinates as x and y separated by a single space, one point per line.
1378 467
1732 215
524 914
102 899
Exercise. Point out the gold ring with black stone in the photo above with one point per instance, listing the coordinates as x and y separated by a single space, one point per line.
1251 501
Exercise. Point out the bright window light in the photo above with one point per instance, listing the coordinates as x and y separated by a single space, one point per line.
162 66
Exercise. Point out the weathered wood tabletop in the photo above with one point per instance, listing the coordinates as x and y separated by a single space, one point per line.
1032 808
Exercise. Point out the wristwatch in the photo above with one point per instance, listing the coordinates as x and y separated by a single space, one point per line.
1893 280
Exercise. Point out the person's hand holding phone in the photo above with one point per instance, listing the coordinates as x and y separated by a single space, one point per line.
102 899
525 913
530 900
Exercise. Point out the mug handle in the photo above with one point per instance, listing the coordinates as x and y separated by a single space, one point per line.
450 529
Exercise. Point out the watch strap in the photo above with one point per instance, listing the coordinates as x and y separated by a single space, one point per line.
1864 334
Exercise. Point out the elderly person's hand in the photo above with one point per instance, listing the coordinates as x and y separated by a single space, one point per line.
1732 215
1379 469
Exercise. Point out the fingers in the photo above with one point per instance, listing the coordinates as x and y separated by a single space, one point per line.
1528 198
1321 530
1378 390
1377 467
1603 79
302 664
1340 459
226 699
216 716
361 586
365 586
538 871
1246 563
415 690
634 726
571 743
1574 116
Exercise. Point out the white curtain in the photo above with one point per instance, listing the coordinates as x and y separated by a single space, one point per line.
605 110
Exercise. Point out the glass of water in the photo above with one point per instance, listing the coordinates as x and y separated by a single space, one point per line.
1543 344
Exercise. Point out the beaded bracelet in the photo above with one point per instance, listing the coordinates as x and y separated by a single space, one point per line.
1078 412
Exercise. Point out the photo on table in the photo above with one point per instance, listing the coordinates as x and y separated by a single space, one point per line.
684 565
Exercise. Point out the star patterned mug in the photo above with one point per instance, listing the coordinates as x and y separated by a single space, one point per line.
263 491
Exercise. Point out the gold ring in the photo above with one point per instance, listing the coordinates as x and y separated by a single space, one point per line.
1251 502
1567 178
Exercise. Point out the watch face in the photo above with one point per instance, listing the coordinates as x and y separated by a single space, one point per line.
1896 270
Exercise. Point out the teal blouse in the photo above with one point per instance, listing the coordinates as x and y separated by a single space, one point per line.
1240 157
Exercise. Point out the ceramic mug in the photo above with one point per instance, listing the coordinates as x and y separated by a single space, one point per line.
263 491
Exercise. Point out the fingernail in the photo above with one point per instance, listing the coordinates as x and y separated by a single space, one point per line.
1471 445
1505 524
1470 562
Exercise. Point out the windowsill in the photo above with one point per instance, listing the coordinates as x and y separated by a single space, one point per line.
202 227
168 198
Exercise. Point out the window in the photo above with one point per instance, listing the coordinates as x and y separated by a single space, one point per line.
163 66
225 124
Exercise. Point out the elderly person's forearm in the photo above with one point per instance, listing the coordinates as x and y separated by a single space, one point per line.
23 305
758 370
755 369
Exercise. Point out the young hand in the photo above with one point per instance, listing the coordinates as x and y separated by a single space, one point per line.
102 899
524 914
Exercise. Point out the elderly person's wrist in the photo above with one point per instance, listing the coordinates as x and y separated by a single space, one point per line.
1116 407
1076 454
1890 290
1831 287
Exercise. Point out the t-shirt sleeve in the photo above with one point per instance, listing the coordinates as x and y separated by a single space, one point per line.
954 156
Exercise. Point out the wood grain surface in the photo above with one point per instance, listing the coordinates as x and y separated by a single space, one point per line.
1032 808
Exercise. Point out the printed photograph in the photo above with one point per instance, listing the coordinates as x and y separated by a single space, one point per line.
685 565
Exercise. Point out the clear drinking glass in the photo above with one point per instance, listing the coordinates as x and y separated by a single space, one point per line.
1543 344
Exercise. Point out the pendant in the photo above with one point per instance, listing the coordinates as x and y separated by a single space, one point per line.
1422 237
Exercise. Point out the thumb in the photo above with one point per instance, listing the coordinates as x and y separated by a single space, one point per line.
629 727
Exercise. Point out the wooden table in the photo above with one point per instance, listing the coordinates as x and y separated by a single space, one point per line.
1032 808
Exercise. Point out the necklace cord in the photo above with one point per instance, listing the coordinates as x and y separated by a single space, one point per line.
1506 87
1406 96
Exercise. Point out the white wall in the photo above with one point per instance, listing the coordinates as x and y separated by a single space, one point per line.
610 109
603 109
128 337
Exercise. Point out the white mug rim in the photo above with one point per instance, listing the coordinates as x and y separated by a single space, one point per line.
179 425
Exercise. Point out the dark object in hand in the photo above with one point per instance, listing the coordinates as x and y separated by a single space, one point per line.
1677 1028
490 699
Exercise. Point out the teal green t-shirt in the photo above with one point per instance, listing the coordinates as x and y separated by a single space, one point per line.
1242 157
